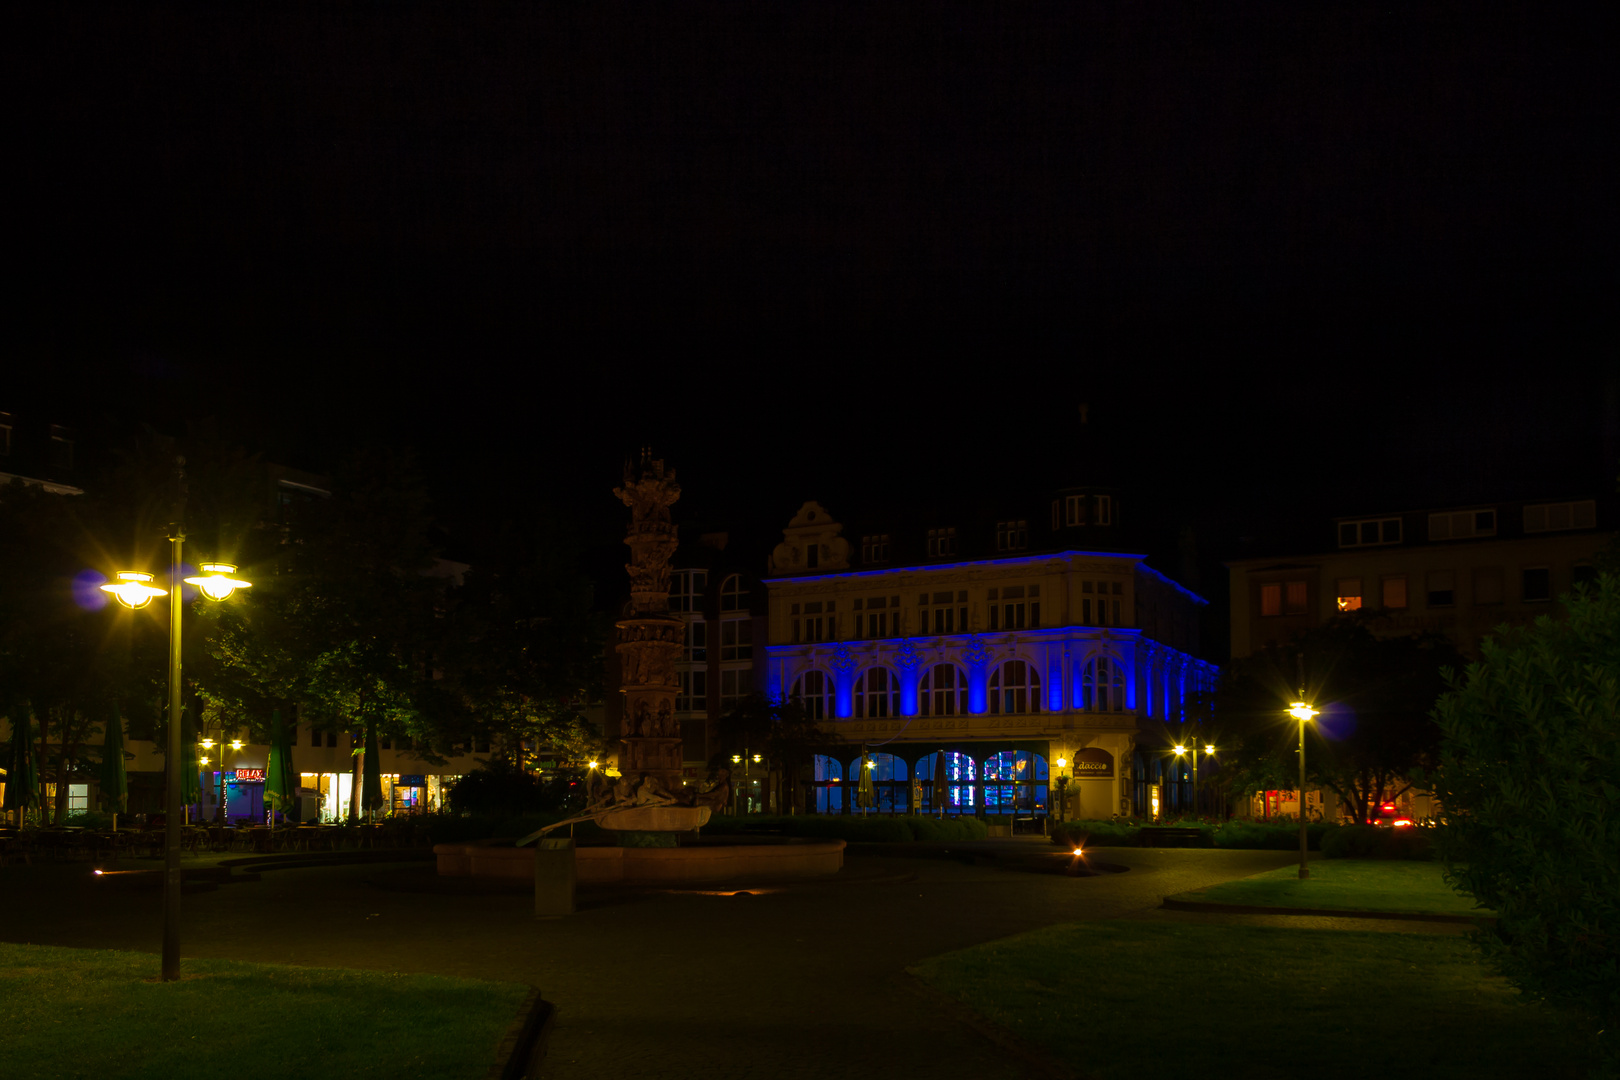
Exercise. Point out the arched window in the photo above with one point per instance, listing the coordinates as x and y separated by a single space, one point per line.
1015 781
960 790
943 691
1015 687
828 785
890 782
1102 685
814 691
733 594
877 694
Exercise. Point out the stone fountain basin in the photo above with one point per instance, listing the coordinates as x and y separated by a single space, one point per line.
701 862
675 819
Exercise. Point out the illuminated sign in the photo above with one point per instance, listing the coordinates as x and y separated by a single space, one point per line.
412 780
246 776
1093 764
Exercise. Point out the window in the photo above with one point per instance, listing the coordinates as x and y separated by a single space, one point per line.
1462 524
1582 574
1015 687
890 787
814 692
1394 589
1017 608
877 693
875 548
1369 531
1488 585
941 542
877 617
1276 598
949 610
1074 510
1294 598
943 691
733 594
686 590
829 785
957 793
736 639
1102 685
78 798
812 555
697 642
314 737
1441 588
1348 594
1271 598
1014 781
1105 510
814 627
734 686
1551 517
1012 535
1537 584
61 447
693 692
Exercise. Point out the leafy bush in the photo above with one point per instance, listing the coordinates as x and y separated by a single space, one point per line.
502 789
1265 836
1073 834
89 819
1372 842
1530 781
945 830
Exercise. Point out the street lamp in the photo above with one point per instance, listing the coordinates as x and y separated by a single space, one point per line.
1063 787
134 590
1303 713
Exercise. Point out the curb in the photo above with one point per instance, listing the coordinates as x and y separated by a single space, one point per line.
1331 913
521 1050
1041 1063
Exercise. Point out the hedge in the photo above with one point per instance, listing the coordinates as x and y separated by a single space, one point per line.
1372 842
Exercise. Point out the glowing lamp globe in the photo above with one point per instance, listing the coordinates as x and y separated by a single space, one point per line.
217 581
1210 749
1301 712
1063 763
1180 750
133 588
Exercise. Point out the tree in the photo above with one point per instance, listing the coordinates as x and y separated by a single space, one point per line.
778 729
1374 695
1529 777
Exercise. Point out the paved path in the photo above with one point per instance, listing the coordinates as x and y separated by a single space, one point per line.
806 981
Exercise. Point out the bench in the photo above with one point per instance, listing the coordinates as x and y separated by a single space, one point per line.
1166 836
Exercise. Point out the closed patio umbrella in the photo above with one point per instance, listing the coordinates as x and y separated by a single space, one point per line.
114 779
940 779
22 768
865 796
280 781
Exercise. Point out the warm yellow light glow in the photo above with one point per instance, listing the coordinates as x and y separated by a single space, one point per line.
1063 763
592 765
1077 851
1210 749
216 580
202 761
1181 750
1301 711
133 588
236 744
736 758
756 759
208 744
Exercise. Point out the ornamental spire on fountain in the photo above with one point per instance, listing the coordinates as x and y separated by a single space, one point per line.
649 639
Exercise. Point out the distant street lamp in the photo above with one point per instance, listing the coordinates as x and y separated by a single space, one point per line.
134 589
1303 713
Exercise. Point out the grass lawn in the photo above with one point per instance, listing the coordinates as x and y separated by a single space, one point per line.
1355 884
1129 1000
92 1013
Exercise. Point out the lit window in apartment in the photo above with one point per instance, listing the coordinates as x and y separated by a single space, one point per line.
1370 531
1294 598
733 594
1536 584
1462 524
1552 517
1074 510
941 542
736 639
1012 535
1271 598
1440 587
1394 591
1349 594
875 548
1488 585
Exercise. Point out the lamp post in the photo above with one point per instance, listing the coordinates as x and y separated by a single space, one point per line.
744 790
1179 750
134 590
1209 748
1303 713
1063 787
235 745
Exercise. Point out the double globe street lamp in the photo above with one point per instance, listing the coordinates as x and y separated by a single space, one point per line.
1208 749
134 590
1304 714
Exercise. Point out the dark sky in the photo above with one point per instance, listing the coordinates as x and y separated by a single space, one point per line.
1296 260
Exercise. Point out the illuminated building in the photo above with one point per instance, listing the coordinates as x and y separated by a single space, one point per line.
1003 641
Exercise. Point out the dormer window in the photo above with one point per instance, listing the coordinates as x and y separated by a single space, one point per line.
875 548
941 542
1074 510
1012 535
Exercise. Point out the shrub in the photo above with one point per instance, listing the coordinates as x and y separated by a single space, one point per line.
1529 778
1372 842
1073 834
89 819
1264 836
946 830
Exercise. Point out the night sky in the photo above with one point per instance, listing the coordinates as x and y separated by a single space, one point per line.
1296 261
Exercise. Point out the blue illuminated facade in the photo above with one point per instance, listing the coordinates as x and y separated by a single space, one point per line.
1006 664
